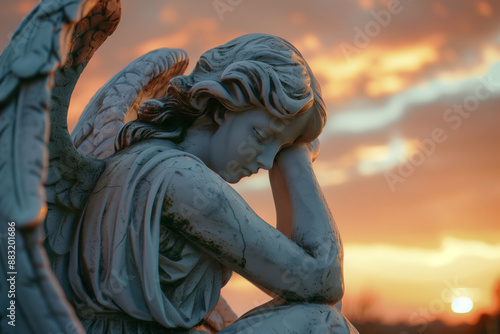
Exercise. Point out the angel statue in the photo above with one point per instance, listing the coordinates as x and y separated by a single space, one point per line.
129 225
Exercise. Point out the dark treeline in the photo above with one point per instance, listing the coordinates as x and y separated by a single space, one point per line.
364 317
486 324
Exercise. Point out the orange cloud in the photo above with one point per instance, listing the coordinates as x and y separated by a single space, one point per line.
490 55
484 8
440 9
362 160
385 85
374 71
84 91
297 18
182 37
308 42
373 159
169 14
24 7
366 4
409 59
405 280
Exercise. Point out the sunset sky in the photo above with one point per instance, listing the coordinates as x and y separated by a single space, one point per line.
410 158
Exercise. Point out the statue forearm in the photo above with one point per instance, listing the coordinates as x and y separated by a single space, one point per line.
281 201
309 221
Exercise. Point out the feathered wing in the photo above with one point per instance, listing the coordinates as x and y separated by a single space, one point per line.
52 47
60 35
72 175
56 34
118 100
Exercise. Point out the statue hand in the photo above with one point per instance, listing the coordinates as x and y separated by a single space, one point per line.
313 148
290 154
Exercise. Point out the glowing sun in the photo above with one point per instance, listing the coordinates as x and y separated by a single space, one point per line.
462 305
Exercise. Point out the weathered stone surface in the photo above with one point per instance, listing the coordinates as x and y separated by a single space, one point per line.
142 229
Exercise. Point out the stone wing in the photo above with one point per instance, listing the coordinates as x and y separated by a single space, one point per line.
72 175
118 100
38 70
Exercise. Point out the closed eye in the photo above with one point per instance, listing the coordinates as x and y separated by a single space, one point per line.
262 135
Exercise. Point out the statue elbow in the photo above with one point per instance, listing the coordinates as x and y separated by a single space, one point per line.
335 292
331 287
321 287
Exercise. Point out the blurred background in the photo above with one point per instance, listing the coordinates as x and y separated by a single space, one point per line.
409 161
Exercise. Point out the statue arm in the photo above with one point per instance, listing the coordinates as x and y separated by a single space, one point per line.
308 219
209 213
283 205
281 201
301 208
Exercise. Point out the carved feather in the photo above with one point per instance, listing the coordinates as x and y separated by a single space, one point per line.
61 34
27 67
22 154
72 174
118 100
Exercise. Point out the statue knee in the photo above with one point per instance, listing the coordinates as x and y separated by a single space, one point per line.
293 318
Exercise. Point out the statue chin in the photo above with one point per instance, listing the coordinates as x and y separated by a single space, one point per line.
231 178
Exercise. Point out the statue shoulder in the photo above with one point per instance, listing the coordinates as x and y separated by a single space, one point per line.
151 161
158 149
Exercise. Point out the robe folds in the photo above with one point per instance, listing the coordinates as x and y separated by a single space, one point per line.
129 271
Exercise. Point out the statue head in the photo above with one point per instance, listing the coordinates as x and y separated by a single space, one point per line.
251 72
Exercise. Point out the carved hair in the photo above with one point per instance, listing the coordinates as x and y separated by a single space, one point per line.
249 72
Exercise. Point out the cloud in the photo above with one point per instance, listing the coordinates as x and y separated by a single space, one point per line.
169 14
379 158
391 257
405 52
378 71
188 34
453 189
484 8
332 170
17 8
82 94
382 71
405 275
374 118
24 7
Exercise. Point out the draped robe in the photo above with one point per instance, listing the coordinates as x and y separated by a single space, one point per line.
128 270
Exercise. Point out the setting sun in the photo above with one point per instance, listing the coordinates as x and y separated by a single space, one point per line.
462 305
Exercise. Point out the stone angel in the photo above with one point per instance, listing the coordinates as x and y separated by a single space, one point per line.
129 224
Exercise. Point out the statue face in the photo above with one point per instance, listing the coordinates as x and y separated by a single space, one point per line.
250 140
